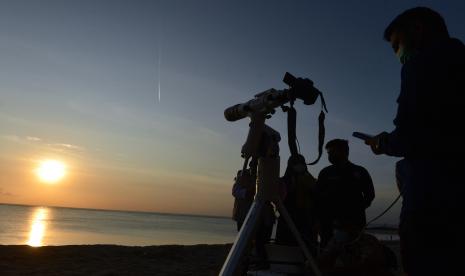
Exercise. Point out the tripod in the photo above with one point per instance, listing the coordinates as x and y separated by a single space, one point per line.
262 143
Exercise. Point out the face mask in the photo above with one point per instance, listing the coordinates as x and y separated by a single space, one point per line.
404 55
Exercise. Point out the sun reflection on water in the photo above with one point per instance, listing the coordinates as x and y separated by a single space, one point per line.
38 227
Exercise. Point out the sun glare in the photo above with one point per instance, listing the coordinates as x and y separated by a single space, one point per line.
51 171
37 232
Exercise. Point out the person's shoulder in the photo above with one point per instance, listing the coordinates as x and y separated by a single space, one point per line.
325 171
456 44
359 169
456 51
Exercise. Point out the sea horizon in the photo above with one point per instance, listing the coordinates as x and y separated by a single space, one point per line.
53 225
117 210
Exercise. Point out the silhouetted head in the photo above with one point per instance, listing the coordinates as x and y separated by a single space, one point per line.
338 151
296 164
414 29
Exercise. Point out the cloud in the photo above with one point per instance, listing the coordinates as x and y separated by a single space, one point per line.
11 138
64 146
40 141
4 193
33 139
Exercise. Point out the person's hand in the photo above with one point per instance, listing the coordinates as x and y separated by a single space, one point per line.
374 142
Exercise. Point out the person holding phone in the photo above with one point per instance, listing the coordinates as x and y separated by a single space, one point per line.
429 135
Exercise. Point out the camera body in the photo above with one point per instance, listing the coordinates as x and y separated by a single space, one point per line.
301 89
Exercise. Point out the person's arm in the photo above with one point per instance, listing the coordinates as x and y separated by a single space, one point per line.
320 188
394 143
320 184
368 189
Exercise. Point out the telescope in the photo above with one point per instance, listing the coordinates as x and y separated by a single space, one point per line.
266 101
262 145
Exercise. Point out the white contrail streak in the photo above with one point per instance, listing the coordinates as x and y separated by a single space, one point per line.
159 86
159 62
159 54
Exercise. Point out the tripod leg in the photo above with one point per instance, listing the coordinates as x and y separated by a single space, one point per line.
243 239
283 212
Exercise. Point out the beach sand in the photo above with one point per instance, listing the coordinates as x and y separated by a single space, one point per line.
112 260
116 260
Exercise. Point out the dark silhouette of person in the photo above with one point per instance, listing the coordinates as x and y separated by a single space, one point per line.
429 134
300 202
243 191
344 190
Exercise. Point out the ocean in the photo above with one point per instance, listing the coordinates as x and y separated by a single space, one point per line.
40 226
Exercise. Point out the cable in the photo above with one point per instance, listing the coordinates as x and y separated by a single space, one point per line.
298 144
374 219
385 211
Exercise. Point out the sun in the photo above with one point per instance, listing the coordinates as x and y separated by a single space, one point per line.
51 171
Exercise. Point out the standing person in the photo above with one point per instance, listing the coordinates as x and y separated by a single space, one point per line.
243 192
344 190
429 133
300 202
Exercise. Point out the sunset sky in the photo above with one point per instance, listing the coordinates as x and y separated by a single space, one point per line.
80 83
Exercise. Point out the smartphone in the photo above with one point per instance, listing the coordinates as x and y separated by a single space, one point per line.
362 136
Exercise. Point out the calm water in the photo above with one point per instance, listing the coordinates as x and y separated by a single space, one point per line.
37 226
